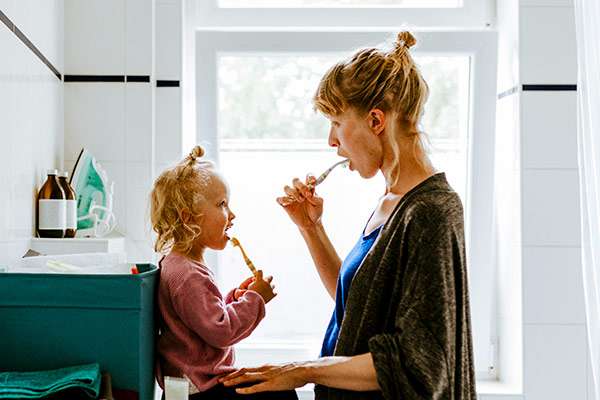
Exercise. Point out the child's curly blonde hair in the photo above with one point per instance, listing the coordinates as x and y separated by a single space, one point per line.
178 190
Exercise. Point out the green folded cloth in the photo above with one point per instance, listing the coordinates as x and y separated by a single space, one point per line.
40 384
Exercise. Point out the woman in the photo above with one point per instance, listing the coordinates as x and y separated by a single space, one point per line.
401 328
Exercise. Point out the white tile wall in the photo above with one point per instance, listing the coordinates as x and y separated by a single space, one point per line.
138 213
550 201
42 22
114 120
139 175
555 346
555 362
12 249
141 252
138 37
547 45
31 113
168 40
139 239
138 122
549 125
94 37
95 119
168 125
552 277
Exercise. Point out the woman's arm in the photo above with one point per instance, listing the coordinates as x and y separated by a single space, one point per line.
355 373
305 208
351 373
324 256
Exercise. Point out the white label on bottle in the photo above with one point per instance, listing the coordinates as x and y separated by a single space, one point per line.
71 214
53 214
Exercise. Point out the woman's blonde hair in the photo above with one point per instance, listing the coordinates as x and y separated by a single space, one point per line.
372 78
177 190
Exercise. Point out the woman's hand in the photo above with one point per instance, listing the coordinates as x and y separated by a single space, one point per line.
301 203
264 287
268 378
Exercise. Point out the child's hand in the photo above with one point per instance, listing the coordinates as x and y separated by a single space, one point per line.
263 287
239 292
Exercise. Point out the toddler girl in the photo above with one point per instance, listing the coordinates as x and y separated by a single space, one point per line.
198 327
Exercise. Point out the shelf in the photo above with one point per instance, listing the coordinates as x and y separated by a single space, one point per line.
113 243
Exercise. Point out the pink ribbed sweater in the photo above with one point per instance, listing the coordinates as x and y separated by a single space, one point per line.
198 327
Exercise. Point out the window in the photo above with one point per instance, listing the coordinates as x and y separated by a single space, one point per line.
254 114
363 13
338 3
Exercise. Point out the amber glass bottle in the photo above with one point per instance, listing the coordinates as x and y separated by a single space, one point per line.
51 213
71 204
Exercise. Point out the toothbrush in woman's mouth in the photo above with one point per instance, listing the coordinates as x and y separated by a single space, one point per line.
324 175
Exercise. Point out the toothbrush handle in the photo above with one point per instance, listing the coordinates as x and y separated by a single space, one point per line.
324 175
248 262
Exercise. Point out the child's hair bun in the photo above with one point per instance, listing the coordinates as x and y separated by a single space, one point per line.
196 152
405 39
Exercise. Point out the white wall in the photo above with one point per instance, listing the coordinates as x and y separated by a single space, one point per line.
31 115
547 248
133 129
541 317
114 120
555 353
169 33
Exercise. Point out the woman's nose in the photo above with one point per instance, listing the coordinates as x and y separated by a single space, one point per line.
332 140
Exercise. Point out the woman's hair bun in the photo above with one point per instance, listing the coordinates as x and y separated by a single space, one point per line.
196 152
405 39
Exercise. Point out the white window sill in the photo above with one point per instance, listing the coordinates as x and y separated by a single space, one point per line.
498 390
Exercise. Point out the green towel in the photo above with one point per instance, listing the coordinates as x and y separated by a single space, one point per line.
39 384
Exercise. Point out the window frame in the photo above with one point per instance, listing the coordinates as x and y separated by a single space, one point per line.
472 14
481 46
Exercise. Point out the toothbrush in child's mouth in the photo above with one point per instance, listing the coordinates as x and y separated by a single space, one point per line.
236 243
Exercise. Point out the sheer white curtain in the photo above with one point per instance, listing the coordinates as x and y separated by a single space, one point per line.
587 21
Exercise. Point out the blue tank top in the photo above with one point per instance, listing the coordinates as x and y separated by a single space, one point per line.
347 271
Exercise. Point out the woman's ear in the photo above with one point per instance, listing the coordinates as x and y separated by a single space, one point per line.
376 121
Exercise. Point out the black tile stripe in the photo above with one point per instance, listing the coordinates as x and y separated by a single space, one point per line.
538 88
549 87
138 78
107 78
164 83
18 33
94 78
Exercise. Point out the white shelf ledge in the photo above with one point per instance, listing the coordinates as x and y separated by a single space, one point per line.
113 243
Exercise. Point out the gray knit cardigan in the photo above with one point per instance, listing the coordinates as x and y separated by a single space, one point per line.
408 303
